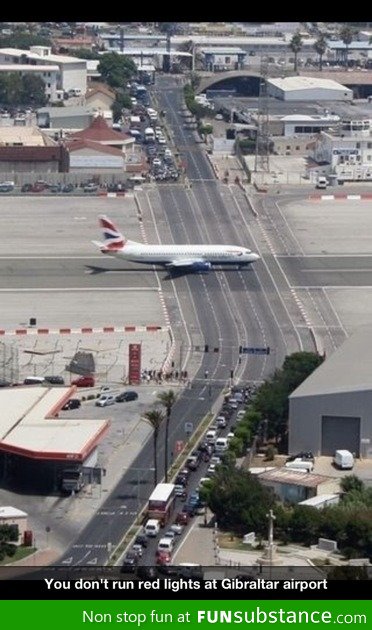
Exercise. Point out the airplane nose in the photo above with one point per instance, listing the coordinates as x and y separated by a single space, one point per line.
256 257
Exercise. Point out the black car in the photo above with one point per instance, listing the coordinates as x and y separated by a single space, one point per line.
126 396
73 403
306 456
67 188
141 539
130 562
26 188
55 380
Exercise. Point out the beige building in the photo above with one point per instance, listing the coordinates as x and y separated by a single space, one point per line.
99 97
12 516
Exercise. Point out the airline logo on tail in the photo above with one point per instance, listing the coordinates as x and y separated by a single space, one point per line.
114 240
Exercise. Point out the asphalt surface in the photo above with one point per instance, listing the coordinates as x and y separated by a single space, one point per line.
328 271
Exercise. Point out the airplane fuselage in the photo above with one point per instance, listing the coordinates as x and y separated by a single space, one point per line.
168 254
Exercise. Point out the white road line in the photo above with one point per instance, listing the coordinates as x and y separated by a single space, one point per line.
341 269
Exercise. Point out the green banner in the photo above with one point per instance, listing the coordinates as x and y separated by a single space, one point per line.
72 615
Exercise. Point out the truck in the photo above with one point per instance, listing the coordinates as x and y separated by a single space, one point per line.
72 480
321 182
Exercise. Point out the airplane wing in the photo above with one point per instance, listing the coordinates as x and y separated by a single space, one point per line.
198 264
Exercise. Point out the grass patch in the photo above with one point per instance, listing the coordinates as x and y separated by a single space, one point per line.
22 552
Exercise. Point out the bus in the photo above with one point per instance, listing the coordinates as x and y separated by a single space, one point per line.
161 502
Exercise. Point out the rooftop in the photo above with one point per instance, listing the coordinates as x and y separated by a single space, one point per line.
303 83
11 512
27 67
17 52
348 369
232 50
293 477
26 136
83 143
29 425
99 131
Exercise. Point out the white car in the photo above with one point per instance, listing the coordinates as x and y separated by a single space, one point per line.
211 469
161 140
177 528
156 162
215 460
240 415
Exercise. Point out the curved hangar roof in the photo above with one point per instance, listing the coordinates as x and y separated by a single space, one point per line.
29 425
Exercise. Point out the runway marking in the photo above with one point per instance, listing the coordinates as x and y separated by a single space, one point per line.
340 269
332 286
67 289
51 257
128 328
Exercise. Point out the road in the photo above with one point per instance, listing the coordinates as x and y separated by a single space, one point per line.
226 308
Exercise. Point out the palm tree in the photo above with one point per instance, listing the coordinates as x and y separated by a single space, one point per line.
347 35
167 399
295 45
155 417
320 46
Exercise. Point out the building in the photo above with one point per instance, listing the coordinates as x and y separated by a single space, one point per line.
99 97
36 445
72 118
99 131
72 71
348 154
48 73
92 157
331 409
221 59
14 518
300 88
29 150
294 486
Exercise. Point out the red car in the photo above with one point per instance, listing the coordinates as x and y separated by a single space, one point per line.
163 557
182 518
84 381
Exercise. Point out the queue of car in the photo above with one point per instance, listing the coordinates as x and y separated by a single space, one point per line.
200 466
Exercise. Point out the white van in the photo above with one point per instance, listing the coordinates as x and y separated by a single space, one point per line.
343 459
166 544
211 436
300 464
152 527
321 182
221 445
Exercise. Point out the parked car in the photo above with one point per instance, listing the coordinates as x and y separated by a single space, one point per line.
6 187
87 380
26 188
105 400
126 396
304 455
73 403
90 188
67 188
55 380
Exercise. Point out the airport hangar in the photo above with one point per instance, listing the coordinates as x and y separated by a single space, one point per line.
36 445
332 408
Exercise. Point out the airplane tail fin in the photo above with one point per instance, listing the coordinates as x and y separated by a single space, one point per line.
113 238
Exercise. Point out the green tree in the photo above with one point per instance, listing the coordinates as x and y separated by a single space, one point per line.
154 418
122 101
23 40
238 500
352 483
116 70
8 535
85 53
13 88
33 91
295 46
305 524
320 46
167 400
346 34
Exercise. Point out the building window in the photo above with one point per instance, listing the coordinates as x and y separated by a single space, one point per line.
369 145
357 145
288 148
297 148
227 59
368 158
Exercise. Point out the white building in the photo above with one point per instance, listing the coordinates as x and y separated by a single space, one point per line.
307 125
219 59
72 71
347 156
308 89
48 73
12 516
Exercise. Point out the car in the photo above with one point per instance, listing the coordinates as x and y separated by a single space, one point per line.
218 117
138 549
130 561
233 403
161 140
126 396
221 422
6 187
90 188
215 460
179 490
87 380
192 462
163 558
105 400
303 455
26 188
170 534
141 539
177 528
67 188
182 518
56 188
73 403
181 481
55 380
240 415
211 470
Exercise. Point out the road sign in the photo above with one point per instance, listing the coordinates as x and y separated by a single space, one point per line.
257 351
189 427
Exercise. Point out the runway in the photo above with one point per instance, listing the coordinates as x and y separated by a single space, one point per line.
327 271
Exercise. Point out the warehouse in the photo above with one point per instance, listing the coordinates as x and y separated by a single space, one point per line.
331 409
308 89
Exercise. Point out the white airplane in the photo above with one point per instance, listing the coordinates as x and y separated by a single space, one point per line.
191 257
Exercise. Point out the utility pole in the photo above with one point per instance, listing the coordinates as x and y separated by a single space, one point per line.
271 518
261 162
